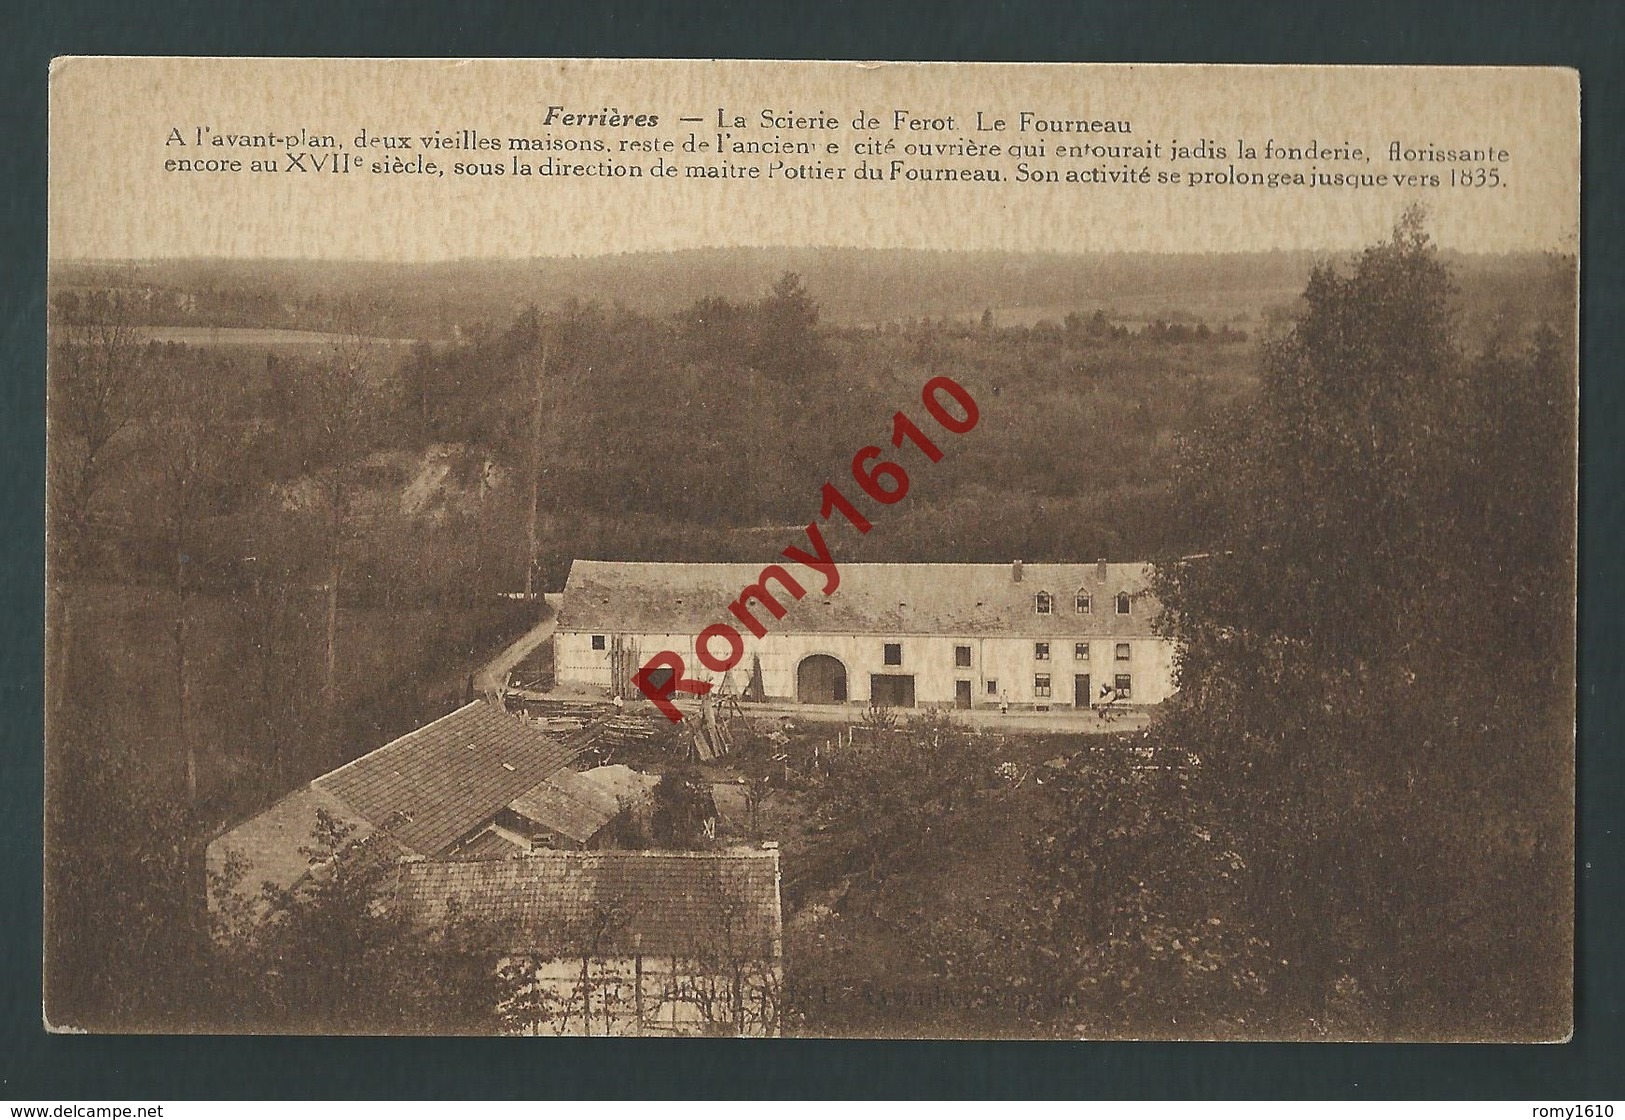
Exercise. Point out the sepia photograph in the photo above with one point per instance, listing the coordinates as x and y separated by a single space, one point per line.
642 548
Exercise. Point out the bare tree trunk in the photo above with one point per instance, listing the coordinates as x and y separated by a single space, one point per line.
478 592
263 642
183 686
535 473
329 679
335 571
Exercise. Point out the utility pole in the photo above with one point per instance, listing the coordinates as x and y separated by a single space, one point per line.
535 466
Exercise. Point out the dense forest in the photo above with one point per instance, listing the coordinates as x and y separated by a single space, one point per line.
266 557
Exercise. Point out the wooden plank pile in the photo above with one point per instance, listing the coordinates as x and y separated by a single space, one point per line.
612 729
629 729
710 737
562 716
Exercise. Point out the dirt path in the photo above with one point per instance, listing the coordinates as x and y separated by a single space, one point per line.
492 679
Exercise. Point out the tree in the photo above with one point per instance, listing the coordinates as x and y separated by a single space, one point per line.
534 466
122 949
684 812
787 345
331 955
100 378
760 773
1386 790
346 407
276 638
887 788
189 436
99 385
1140 913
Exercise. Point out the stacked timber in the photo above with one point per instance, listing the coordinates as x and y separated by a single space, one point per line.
561 717
710 736
627 730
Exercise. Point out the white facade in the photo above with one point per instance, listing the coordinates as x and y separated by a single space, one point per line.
1002 670
640 996
1060 636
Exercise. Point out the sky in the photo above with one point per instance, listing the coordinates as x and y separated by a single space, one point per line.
115 123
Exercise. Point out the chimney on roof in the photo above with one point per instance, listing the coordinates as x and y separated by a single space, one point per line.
1015 571
1100 570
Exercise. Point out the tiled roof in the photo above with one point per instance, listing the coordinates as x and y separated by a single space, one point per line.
721 904
951 599
579 805
450 776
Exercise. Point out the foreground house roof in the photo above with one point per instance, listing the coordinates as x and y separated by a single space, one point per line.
710 905
948 599
448 777
431 787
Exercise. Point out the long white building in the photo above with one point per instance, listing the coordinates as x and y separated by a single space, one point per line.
1032 636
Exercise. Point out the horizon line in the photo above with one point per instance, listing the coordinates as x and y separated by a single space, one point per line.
1554 250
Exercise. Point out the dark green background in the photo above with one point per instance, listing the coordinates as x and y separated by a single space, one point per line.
1588 36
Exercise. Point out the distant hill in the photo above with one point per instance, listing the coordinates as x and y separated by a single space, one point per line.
852 286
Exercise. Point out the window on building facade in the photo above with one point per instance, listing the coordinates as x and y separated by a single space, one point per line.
597 641
894 653
962 657
1041 684
1080 652
992 688
1041 651
1044 603
1083 603
1122 602
1122 651
1124 687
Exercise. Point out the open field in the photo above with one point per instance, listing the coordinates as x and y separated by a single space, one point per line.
256 336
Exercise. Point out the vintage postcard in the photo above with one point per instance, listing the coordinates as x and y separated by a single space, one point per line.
593 547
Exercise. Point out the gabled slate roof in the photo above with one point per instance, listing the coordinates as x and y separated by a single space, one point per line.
962 600
448 777
579 804
426 790
712 905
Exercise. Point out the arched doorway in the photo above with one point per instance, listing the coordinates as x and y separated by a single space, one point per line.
821 679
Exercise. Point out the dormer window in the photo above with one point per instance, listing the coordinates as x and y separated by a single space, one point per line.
1084 603
1044 603
1122 602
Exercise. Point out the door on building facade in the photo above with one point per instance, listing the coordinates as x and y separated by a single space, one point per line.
962 694
821 679
891 690
1080 690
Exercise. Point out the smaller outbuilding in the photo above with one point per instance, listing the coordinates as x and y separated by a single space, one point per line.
604 807
615 942
434 791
